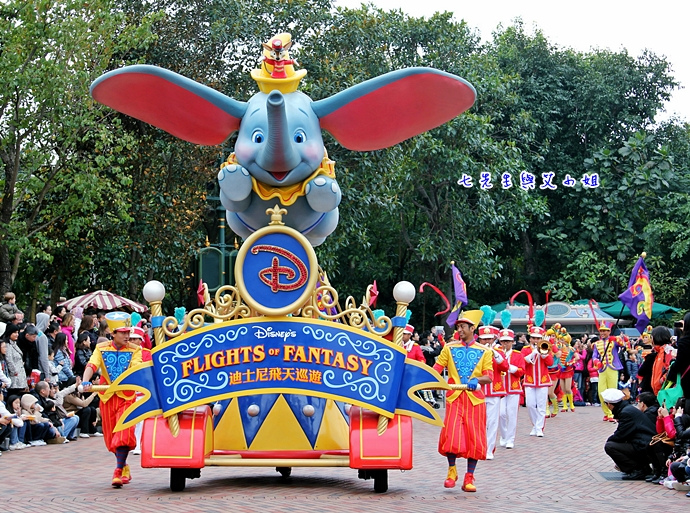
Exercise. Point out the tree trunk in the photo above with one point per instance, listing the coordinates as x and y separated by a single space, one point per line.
530 272
5 269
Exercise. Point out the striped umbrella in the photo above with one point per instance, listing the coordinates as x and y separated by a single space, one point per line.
103 300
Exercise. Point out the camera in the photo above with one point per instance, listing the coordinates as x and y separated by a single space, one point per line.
678 324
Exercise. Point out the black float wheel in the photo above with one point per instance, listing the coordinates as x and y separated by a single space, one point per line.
284 471
178 479
380 481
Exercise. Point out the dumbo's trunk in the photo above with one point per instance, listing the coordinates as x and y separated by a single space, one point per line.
278 155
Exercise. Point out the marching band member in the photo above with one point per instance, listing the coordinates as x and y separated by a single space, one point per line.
464 430
537 381
606 352
111 359
569 357
510 403
493 392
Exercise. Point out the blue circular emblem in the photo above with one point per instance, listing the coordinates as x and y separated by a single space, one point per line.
276 270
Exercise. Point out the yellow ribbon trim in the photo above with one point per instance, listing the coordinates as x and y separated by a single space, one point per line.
289 193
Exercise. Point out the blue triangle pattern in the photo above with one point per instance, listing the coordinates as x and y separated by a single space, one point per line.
223 406
251 425
341 406
310 425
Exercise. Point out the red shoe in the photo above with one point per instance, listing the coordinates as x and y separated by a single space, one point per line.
611 419
564 410
547 416
468 483
606 419
117 478
126 476
451 478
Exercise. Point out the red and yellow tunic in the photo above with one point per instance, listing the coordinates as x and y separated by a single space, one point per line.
497 387
537 373
512 382
111 362
567 361
464 430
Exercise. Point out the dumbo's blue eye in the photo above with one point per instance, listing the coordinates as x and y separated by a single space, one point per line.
300 136
258 136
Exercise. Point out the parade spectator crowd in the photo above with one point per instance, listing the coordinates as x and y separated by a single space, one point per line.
41 366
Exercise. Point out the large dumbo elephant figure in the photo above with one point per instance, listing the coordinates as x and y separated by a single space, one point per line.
279 156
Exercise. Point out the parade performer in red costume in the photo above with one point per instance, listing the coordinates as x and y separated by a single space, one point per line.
537 380
111 359
493 392
510 403
464 430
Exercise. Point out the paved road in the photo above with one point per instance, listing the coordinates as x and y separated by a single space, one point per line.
558 473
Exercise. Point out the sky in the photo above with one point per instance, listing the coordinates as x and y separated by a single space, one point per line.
635 25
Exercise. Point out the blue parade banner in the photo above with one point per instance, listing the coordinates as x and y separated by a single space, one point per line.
270 355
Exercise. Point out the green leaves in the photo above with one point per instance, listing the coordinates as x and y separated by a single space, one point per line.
95 199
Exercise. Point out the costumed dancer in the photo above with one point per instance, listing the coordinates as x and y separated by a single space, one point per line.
111 359
138 337
606 353
553 336
464 430
569 357
510 403
537 381
493 392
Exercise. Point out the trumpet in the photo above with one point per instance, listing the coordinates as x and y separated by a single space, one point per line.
544 347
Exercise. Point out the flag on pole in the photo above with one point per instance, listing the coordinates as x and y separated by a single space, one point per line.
638 296
460 295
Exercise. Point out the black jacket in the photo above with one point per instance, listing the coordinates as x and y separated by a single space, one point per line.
645 372
633 426
652 413
30 351
682 364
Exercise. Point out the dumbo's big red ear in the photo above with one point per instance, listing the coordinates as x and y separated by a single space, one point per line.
388 109
171 102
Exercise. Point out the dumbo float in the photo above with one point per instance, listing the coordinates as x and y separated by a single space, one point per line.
279 155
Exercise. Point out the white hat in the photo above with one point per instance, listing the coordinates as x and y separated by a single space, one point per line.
612 395
409 329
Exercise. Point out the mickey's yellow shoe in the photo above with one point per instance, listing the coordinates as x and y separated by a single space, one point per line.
452 477
126 476
117 478
468 483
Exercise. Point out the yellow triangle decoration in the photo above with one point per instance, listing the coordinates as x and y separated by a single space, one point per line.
334 432
280 429
229 435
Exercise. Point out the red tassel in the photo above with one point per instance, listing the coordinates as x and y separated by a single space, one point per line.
443 296
530 301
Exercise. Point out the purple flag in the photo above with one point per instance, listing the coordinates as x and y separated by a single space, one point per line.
638 296
460 295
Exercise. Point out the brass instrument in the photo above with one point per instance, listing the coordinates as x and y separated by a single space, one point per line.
544 347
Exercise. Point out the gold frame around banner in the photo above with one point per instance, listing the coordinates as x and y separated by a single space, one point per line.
308 288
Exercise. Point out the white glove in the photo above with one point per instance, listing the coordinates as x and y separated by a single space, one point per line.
216 409
497 356
530 357
512 368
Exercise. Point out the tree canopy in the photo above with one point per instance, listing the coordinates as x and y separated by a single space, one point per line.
94 199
